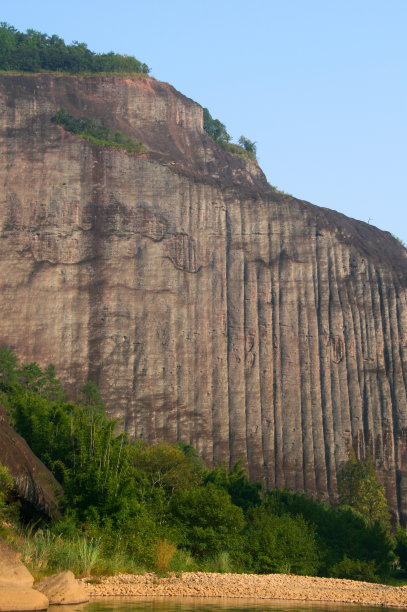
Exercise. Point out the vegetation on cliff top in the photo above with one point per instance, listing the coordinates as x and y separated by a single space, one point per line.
129 505
246 149
97 132
34 51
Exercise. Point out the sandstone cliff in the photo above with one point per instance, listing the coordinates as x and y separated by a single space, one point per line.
207 307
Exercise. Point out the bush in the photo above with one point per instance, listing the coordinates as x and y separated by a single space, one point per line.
339 531
281 544
401 547
355 569
246 149
97 133
208 520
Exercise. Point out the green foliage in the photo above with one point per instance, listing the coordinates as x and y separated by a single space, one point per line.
208 520
401 547
359 488
8 508
237 150
248 145
35 52
48 552
215 128
355 569
246 149
243 493
281 544
97 133
131 505
339 531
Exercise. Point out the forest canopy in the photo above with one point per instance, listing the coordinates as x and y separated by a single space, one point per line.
134 504
34 51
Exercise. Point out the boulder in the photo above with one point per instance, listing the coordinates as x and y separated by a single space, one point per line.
12 572
16 592
63 588
34 484
21 600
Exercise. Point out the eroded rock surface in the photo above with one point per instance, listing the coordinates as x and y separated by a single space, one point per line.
16 592
63 588
34 484
207 307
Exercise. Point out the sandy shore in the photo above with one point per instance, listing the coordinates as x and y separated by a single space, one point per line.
273 586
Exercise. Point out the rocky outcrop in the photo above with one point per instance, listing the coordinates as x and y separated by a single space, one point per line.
16 592
206 306
34 484
63 588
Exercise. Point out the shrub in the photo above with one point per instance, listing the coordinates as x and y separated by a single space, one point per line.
208 520
165 551
97 133
355 569
281 544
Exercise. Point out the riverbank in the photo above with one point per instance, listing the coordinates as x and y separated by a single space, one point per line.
272 586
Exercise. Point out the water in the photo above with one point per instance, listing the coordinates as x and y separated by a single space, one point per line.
196 604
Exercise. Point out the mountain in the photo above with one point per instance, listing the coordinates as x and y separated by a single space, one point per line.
207 307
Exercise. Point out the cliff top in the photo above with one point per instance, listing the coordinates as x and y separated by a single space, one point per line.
170 126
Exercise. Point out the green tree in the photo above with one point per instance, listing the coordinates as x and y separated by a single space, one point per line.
215 128
243 493
281 544
248 145
359 488
401 547
207 519
33 51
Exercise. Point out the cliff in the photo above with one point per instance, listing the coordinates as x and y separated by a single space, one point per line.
207 307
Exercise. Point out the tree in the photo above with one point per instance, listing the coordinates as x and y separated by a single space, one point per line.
359 488
215 128
281 544
243 493
208 520
401 547
248 145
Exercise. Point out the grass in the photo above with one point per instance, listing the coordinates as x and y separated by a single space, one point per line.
237 150
165 551
97 133
45 553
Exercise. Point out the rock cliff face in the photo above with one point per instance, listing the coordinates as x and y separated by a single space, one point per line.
207 307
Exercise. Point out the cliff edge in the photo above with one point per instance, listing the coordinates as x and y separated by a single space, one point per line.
207 307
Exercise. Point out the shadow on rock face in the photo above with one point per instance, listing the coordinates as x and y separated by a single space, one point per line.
34 484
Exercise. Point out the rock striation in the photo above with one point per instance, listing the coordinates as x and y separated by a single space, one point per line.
33 483
207 307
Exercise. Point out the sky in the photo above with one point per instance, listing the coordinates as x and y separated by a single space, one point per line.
319 85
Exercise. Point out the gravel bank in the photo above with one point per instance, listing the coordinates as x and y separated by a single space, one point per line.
272 586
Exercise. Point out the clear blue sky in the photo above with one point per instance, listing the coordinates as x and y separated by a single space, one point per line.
320 85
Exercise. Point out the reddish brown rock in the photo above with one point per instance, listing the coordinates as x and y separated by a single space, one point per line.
34 484
207 307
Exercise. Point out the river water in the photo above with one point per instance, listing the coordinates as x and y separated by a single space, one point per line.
198 604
